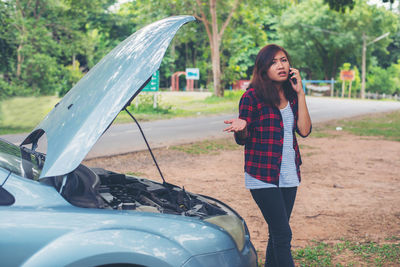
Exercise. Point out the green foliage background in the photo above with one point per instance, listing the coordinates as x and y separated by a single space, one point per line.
48 45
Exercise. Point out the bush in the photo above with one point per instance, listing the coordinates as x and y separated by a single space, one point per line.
384 81
379 80
395 70
71 75
16 88
143 103
5 89
41 74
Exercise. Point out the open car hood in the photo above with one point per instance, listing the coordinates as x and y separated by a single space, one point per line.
84 113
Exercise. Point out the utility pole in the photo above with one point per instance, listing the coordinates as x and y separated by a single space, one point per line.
364 55
364 52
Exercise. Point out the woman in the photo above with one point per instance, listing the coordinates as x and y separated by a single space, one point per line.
270 112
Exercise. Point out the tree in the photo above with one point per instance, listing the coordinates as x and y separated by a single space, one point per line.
382 80
188 48
217 18
324 39
392 55
253 25
342 5
40 38
33 46
243 40
204 12
7 35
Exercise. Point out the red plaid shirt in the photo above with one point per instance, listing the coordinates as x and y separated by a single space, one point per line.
264 142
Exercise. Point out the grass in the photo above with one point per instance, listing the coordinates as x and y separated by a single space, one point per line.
316 255
385 125
22 114
348 253
324 131
173 105
207 146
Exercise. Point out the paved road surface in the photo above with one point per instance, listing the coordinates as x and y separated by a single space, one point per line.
125 138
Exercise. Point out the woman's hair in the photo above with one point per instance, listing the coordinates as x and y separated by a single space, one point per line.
260 81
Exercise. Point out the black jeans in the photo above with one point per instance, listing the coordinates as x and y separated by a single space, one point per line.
276 205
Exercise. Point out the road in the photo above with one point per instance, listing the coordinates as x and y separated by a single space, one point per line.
125 138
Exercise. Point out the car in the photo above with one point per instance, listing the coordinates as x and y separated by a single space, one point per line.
55 211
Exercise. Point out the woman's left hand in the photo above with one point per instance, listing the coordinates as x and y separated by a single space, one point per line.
304 120
236 125
298 87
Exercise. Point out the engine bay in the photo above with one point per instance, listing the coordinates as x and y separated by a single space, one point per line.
130 193
100 188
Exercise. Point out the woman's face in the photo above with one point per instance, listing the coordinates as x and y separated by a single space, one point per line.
279 70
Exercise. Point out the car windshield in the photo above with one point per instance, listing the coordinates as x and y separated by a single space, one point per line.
20 161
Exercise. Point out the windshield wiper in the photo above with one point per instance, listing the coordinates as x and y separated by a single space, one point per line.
147 144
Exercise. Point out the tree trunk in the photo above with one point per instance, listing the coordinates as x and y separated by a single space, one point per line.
19 15
333 73
19 60
215 57
73 61
215 36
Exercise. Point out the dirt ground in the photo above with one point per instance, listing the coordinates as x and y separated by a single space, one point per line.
349 189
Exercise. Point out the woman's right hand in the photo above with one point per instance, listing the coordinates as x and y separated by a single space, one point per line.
236 125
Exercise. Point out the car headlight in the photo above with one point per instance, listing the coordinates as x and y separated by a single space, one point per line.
233 225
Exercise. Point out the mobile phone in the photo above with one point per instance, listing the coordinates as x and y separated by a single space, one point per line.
294 80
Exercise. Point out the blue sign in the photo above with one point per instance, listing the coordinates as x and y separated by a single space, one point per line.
192 74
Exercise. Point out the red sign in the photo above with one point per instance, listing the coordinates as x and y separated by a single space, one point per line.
347 75
241 84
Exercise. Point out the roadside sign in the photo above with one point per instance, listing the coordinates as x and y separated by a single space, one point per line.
192 74
347 75
154 83
319 88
